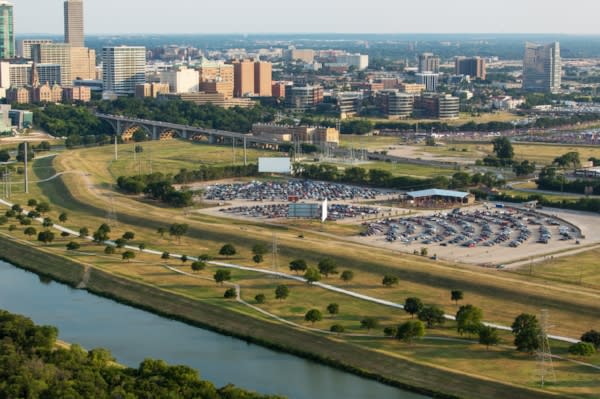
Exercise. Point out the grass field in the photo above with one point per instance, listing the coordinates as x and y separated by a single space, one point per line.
87 199
409 169
464 118
542 154
582 268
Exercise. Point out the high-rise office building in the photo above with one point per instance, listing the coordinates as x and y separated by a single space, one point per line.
243 78
542 67
74 23
263 79
473 67
429 79
429 63
124 67
7 34
216 77
55 53
24 46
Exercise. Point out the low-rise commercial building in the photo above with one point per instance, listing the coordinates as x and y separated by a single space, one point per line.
202 98
395 104
303 134
303 98
441 106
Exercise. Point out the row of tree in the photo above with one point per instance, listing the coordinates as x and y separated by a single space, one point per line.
157 186
31 366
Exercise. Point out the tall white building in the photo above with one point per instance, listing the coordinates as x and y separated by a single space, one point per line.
542 67
123 68
359 61
183 80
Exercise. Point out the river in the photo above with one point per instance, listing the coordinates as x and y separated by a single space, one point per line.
133 335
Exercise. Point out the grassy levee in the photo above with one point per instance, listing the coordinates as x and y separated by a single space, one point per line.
392 370
38 262
503 297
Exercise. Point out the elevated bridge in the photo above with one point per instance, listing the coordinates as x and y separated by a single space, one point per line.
125 127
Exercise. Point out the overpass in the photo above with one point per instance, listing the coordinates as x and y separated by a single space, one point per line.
125 127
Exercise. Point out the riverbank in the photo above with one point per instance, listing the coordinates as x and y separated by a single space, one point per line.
392 370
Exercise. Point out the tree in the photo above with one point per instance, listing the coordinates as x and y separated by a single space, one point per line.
128 255
432 315
369 323
582 349
592 337
221 276
17 208
260 249
312 275
178 230
524 168
47 223
139 149
128 235
337 328
227 250
389 281
333 309
230 293
424 251
413 306
84 232
456 295
390 331
527 332
313 315
73 246
205 257
282 292
468 319
347 275
120 243
327 267
12 227
32 202
4 156
410 330
109 250
183 258
43 207
161 231
25 222
165 255
64 234
141 246
198 266
30 232
257 259
298 265
488 336
33 214
260 298
63 217
46 237
503 148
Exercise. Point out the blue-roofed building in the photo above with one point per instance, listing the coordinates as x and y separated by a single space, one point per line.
436 196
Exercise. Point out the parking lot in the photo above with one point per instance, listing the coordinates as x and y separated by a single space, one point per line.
302 190
476 235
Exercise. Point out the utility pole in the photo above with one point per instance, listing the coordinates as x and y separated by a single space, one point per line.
245 152
116 149
26 156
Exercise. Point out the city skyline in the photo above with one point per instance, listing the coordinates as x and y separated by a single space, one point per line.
461 16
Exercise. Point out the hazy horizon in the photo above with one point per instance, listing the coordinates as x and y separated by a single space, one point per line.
138 17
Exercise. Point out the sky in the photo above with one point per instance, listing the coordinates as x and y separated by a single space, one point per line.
318 16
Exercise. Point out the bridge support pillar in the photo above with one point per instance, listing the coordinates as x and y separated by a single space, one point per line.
155 135
212 139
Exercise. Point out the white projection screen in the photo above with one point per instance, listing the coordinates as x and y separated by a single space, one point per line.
275 165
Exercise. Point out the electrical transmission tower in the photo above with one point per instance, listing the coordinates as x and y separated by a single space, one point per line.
275 250
7 184
111 213
544 355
